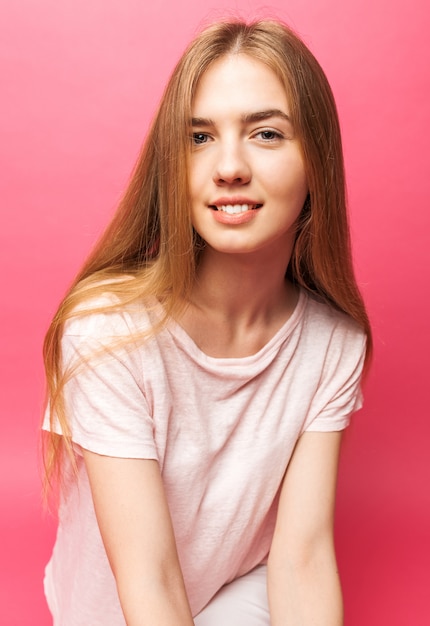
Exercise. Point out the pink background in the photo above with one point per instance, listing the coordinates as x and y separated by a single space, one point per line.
80 81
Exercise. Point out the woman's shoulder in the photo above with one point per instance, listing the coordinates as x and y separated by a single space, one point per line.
334 345
327 321
108 312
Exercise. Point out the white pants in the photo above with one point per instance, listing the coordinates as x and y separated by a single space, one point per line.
240 603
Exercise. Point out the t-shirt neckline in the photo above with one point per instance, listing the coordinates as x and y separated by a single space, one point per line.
189 345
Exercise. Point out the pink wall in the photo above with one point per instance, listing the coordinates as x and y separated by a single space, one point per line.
80 80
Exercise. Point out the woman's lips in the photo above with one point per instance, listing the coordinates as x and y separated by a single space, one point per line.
234 214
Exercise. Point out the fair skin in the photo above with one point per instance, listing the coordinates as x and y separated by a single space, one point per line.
245 154
135 525
302 576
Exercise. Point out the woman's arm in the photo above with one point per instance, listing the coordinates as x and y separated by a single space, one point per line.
136 528
303 581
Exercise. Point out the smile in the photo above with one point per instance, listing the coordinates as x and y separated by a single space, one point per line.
233 209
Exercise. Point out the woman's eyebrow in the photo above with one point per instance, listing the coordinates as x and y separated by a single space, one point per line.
258 116
201 121
246 118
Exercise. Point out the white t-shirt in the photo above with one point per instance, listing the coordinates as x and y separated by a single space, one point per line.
222 429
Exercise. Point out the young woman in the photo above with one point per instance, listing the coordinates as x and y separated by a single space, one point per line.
203 365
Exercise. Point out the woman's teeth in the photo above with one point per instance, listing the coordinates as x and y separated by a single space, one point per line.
236 208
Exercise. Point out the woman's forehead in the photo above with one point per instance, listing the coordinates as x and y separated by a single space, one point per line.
241 83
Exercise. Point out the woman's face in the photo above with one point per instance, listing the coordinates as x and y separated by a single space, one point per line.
247 177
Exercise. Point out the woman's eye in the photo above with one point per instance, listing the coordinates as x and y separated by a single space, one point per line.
270 135
199 138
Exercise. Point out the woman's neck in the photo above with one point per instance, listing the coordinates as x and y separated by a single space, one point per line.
238 303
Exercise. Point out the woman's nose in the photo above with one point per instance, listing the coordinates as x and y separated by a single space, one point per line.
232 167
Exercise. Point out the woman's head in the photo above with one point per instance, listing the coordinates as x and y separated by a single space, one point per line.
322 227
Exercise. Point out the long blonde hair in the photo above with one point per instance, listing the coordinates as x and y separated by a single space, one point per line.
151 238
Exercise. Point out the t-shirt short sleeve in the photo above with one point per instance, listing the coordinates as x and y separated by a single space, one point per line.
339 392
104 396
